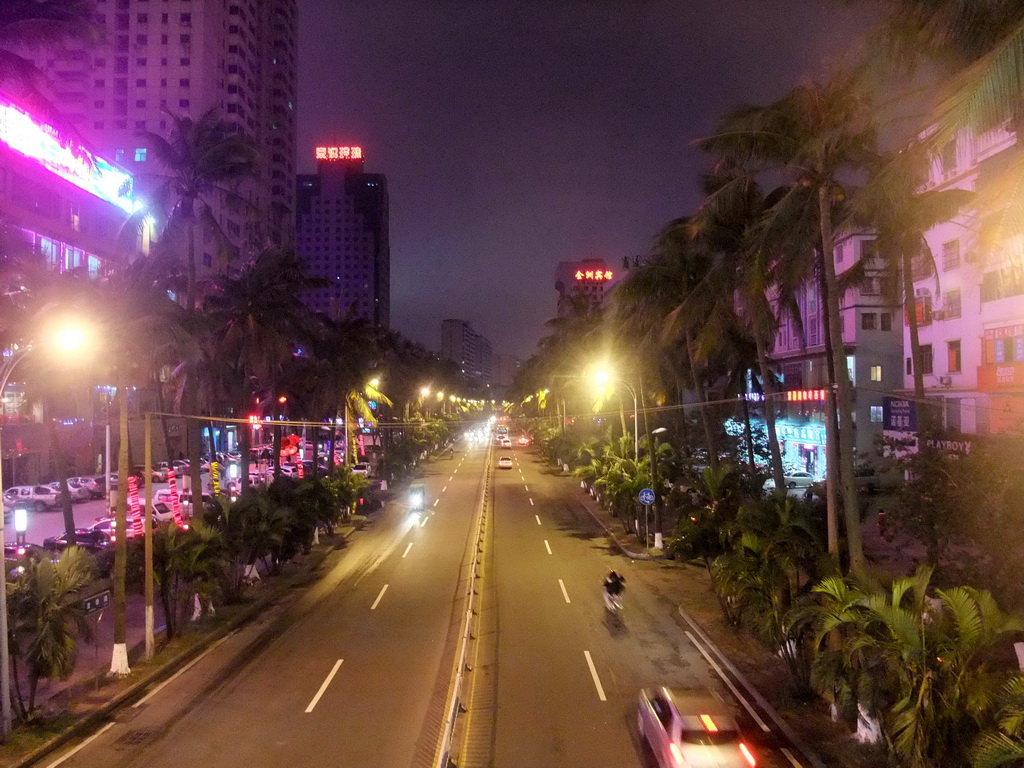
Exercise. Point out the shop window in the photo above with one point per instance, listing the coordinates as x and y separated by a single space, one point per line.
953 356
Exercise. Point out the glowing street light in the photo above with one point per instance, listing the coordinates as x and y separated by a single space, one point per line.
603 378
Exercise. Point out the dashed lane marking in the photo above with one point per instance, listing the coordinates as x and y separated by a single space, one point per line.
435 502
593 674
531 502
537 517
547 546
323 687
382 591
407 550
564 593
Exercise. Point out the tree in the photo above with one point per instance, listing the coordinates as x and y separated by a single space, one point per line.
815 135
48 617
185 563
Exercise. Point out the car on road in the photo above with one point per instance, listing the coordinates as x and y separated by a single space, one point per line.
35 497
417 497
506 443
362 468
505 462
794 479
691 728
523 440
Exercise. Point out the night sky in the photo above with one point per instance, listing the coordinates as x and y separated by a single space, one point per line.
519 133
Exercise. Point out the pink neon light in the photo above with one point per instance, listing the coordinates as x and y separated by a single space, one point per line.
63 157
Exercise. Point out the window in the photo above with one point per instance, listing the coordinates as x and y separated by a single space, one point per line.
910 365
876 414
876 373
185 39
182 102
142 18
140 103
947 159
951 304
886 320
183 82
207 260
140 83
951 255
118 155
926 359
868 250
953 356
869 321
140 154
1002 283
140 125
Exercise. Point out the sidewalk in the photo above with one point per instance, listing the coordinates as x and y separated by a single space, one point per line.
688 586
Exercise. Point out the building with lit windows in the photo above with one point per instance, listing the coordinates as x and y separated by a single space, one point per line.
185 57
342 237
969 301
872 340
469 350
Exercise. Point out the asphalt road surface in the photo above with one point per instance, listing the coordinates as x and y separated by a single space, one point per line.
356 671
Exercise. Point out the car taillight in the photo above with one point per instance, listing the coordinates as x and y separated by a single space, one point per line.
677 753
748 755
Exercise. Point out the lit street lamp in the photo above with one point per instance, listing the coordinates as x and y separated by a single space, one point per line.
603 378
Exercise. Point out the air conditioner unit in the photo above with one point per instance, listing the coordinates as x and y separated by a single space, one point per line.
946 381
939 314
971 257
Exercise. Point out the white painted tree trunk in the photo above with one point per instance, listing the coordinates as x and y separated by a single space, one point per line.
316 535
868 730
659 541
119 661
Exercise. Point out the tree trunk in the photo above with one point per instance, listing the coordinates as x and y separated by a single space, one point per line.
119 657
162 405
851 507
314 436
747 431
276 448
61 465
705 417
910 304
768 388
245 449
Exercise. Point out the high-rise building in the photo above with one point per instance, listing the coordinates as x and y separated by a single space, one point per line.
586 280
468 349
342 236
185 57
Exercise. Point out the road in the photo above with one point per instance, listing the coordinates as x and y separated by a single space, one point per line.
355 672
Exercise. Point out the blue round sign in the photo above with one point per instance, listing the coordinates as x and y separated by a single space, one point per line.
647 496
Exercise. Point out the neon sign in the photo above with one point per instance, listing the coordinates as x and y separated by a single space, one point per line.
63 157
806 395
339 153
593 274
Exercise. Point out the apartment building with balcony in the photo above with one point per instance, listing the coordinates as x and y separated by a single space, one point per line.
969 301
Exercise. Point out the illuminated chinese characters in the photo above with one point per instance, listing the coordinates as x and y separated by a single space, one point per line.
602 275
339 153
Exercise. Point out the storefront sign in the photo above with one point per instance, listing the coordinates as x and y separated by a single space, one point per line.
809 434
899 414
339 153
1000 376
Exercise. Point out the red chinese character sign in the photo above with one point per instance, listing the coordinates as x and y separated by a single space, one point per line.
339 153
593 275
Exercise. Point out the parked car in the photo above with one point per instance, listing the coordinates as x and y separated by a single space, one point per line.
91 539
91 484
76 492
35 497
362 468
691 728
797 479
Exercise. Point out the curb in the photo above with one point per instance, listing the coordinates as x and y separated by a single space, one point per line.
615 540
168 667
812 757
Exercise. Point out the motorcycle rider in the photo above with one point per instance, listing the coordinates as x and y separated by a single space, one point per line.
613 585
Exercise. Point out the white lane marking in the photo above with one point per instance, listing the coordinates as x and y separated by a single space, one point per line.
422 523
382 591
547 546
181 671
452 477
593 674
735 692
407 549
323 687
526 487
435 502
444 489
531 501
537 518
81 746
789 756
564 593
456 470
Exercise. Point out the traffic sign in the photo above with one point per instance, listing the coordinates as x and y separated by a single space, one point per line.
96 602
647 496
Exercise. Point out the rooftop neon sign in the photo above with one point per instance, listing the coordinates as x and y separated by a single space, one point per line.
339 153
593 274
63 157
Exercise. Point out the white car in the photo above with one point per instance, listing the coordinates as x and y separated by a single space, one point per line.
505 462
77 492
691 728
797 479
362 468
35 497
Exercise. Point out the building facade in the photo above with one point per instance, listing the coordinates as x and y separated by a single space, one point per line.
186 57
872 339
969 301
469 350
588 280
342 237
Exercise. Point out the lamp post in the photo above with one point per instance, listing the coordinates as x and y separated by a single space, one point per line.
603 377
658 488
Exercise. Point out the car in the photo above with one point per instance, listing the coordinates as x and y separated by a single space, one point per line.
523 440
794 479
417 497
158 474
35 497
505 462
91 484
691 728
76 492
506 443
362 468
91 539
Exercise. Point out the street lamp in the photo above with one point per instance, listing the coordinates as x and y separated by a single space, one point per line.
603 378
63 339
658 489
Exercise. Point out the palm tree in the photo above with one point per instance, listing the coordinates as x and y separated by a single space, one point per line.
48 616
1004 744
815 135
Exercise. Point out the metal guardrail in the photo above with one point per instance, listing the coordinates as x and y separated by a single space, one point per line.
455 690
